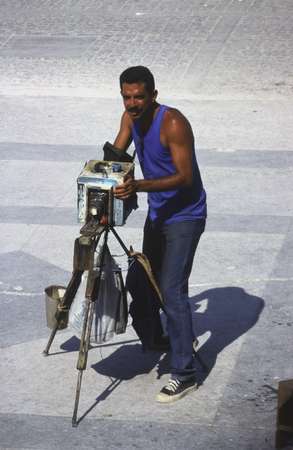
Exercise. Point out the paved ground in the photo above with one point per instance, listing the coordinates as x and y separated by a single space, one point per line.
227 65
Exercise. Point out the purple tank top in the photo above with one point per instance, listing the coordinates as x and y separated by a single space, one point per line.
176 205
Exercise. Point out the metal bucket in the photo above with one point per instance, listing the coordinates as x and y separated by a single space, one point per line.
53 296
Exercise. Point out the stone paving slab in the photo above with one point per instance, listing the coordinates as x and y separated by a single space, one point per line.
219 124
46 47
56 186
44 433
209 157
228 46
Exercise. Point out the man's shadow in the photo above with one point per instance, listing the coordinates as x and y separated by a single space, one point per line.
222 315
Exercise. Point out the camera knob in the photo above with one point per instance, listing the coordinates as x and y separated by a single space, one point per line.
116 167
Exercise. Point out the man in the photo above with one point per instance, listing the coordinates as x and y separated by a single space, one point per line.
164 143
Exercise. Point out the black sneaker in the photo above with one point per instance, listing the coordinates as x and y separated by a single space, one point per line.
176 389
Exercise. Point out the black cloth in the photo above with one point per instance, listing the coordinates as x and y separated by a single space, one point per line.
112 153
146 303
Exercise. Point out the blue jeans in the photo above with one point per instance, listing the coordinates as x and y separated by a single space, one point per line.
170 249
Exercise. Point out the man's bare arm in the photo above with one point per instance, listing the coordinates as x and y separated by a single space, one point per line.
178 137
124 136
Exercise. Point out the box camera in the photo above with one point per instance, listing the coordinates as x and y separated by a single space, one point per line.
95 200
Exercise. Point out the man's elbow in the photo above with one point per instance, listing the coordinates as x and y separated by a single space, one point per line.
187 181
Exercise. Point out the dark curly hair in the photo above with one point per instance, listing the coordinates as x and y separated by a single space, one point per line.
138 74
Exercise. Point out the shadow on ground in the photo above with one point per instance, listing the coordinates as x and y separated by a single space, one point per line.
127 362
222 315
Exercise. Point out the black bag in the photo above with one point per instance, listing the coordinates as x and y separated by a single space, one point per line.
146 300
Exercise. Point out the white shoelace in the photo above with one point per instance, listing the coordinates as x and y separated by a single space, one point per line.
172 385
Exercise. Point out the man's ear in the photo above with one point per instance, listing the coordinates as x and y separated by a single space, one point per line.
155 95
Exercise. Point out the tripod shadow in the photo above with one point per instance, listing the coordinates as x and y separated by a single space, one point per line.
222 315
109 389
125 363
73 344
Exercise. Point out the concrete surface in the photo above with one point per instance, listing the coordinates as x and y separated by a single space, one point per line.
227 64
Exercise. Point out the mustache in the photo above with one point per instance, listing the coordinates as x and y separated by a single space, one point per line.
134 110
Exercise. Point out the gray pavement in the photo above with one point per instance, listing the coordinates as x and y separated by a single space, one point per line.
227 64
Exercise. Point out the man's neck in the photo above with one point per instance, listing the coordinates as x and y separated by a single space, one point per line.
146 121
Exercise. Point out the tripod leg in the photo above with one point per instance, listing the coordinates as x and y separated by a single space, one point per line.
120 241
51 338
77 395
83 354
92 292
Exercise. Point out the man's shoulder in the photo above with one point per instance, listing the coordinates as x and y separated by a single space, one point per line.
174 117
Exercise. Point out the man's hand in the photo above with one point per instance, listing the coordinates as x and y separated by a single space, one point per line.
126 190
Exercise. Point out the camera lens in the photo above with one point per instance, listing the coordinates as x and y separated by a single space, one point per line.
97 204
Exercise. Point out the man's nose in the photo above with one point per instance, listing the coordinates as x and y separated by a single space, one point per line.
131 102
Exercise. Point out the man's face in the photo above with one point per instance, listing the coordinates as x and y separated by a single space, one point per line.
137 99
